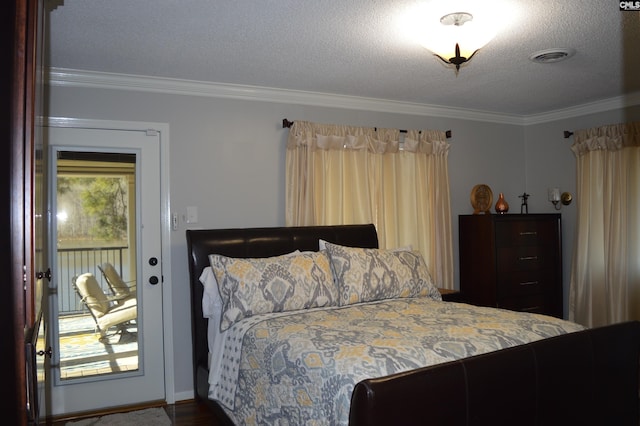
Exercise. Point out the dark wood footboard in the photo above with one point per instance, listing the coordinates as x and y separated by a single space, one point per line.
584 378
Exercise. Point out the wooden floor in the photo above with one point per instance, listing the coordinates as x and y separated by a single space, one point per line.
191 413
183 413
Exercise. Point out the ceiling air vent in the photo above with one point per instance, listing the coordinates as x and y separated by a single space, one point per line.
551 55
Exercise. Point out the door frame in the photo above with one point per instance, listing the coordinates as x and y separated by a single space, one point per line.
165 224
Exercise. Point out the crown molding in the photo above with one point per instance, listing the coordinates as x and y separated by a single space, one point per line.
102 80
603 105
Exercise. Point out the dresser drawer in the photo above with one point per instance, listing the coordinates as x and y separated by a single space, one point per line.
525 258
524 283
526 233
534 304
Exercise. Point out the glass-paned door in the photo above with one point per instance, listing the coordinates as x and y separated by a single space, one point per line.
106 289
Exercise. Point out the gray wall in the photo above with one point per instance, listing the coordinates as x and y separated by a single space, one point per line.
227 158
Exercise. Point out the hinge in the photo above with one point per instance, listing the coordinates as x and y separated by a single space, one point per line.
151 132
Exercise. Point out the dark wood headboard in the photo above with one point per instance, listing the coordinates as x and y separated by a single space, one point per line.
254 242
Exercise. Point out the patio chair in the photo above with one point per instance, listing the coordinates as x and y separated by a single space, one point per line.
118 287
103 309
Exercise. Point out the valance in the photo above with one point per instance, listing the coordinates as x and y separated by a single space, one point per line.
377 140
606 138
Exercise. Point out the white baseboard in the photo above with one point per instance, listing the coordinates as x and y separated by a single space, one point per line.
184 396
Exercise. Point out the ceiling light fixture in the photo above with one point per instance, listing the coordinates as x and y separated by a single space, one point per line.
458 39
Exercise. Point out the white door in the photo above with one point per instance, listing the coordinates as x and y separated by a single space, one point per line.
122 363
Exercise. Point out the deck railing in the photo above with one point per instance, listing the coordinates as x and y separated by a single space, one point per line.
75 261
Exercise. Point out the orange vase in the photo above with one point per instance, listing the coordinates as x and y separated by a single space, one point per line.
501 205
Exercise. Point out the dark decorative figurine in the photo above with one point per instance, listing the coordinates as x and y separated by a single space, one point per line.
524 207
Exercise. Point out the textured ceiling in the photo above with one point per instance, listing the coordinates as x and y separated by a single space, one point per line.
356 48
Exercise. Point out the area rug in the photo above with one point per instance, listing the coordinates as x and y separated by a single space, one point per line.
147 417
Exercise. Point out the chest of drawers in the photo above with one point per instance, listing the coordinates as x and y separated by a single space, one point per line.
512 261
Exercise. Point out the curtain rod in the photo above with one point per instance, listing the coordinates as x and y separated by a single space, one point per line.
287 124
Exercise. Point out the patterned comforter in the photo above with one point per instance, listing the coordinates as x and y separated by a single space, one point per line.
301 367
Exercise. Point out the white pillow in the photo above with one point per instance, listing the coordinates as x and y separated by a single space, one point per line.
212 309
211 301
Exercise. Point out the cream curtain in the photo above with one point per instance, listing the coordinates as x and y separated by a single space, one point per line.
605 276
399 182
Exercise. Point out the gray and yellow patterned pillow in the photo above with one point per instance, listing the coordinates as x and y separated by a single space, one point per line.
276 284
366 275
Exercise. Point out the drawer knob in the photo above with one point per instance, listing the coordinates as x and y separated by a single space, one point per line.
529 233
529 283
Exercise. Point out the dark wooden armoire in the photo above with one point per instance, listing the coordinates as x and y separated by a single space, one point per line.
20 94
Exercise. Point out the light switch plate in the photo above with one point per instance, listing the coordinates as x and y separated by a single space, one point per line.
192 214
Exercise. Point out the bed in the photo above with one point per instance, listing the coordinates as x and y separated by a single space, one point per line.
345 351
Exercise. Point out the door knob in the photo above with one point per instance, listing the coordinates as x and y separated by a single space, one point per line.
48 352
47 274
